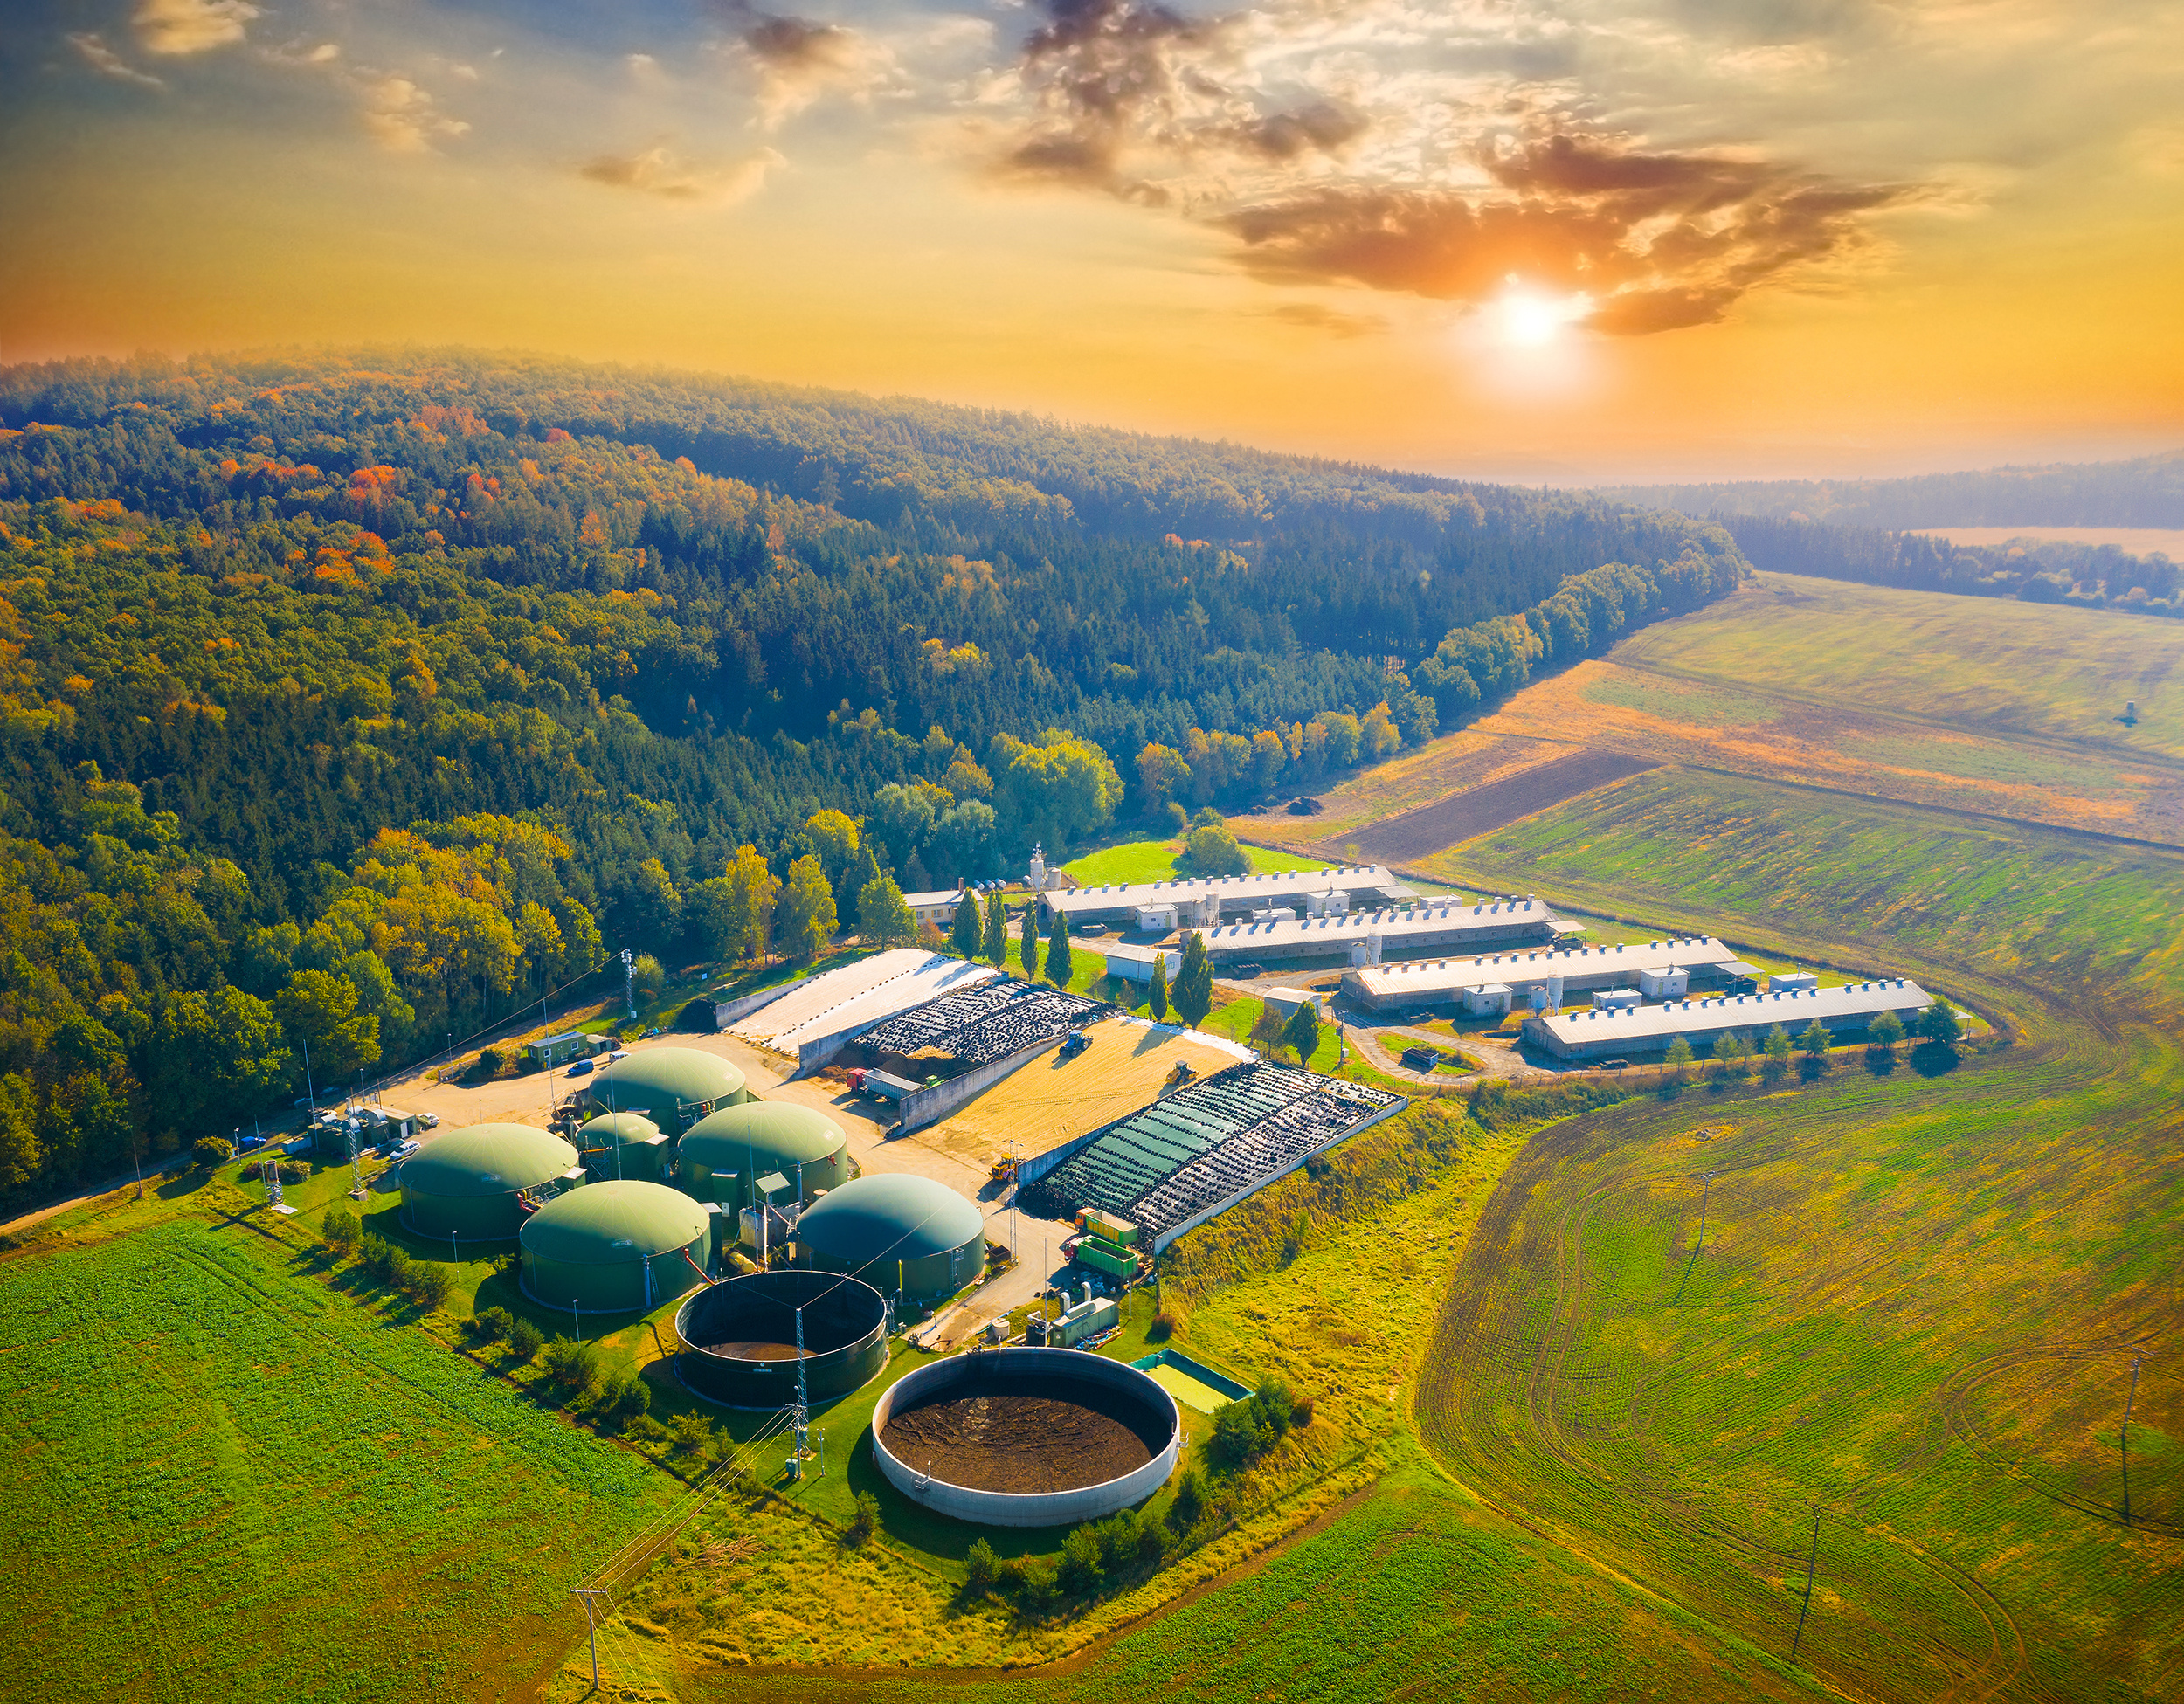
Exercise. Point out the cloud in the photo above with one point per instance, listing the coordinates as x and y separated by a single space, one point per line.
190 26
104 61
404 119
1310 316
659 172
1368 143
797 60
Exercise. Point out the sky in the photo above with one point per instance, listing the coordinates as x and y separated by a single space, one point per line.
1551 240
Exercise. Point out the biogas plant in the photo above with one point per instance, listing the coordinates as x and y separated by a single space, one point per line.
799 1241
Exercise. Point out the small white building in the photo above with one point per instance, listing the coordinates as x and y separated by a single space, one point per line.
1278 913
1135 965
1617 999
1488 999
1334 902
1793 982
938 907
1155 919
1668 981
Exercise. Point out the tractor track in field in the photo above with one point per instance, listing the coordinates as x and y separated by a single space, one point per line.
1493 1328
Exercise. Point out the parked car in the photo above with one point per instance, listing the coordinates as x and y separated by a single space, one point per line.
430 1120
581 1068
619 1053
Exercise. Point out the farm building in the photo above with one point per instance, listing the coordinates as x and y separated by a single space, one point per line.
1053 1099
1649 966
1593 1035
1206 900
672 1086
938 907
721 1156
899 1232
983 1024
1134 963
814 1019
1367 937
1201 1150
466 1185
615 1248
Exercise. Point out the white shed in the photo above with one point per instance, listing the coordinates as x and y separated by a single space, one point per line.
1155 917
1793 982
1614 999
1489 1000
1672 982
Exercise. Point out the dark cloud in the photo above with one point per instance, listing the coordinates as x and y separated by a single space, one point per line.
798 44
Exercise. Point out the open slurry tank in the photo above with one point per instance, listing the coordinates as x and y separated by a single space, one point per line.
1026 1436
739 1338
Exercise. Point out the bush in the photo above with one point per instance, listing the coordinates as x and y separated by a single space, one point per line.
210 1151
525 1340
865 1521
1161 1328
1241 1434
636 1400
648 975
1173 815
492 1326
1082 1567
1300 1415
381 1259
490 1060
981 1569
292 1171
1190 1501
690 1435
1037 1591
574 1364
341 1229
426 1282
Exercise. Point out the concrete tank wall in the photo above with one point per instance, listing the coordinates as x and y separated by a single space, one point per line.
1048 1509
845 1337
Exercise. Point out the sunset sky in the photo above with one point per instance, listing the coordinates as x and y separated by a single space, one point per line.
1551 239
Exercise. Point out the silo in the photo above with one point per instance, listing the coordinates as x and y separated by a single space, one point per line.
672 1086
897 1231
464 1185
615 1248
720 1155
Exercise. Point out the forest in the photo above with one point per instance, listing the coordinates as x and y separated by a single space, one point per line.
2033 570
353 702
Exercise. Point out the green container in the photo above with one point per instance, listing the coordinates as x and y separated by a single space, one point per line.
720 1155
1105 1257
616 1248
463 1184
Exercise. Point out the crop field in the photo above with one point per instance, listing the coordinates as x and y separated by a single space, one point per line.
1481 809
227 1480
1913 1304
1973 704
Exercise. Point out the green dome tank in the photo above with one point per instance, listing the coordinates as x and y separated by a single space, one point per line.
897 1231
722 1156
464 1185
616 1248
672 1086
615 1130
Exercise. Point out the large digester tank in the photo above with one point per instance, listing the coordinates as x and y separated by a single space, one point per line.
719 1157
464 1185
672 1086
898 1231
739 1338
616 1248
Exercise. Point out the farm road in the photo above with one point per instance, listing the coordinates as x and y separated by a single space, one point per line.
1481 810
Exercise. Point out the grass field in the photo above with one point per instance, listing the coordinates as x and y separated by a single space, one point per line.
228 1480
1155 861
1915 1299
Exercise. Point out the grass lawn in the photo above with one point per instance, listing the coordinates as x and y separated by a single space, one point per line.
230 1481
1154 860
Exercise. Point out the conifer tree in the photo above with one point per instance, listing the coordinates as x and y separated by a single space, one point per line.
1058 952
1160 985
1193 990
965 938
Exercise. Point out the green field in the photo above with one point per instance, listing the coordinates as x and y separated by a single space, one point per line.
1154 860
229 1480
1915 1302
1980 664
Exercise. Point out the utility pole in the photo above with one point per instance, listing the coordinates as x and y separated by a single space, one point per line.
584 1595
802 1402
1806 1609
2137 1355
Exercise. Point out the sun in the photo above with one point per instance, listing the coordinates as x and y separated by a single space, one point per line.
1527 320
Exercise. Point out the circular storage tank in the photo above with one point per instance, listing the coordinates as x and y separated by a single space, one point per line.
1026 1437
464 1185
897 1231
721 1156
615 1248
615 1130
672 1086
739 1338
